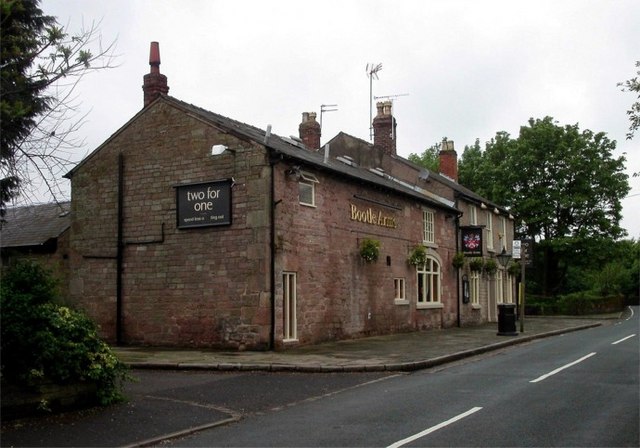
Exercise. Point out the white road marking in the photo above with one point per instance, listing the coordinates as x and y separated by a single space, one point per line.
434 428
630 309
553 372
623 339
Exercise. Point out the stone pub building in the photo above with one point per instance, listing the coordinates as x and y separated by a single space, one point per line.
188 228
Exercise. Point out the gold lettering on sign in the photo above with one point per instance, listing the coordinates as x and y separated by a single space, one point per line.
370 216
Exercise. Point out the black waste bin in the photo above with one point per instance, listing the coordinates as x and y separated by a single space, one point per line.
507 319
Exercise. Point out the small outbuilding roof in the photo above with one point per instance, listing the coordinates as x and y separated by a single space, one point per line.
34 225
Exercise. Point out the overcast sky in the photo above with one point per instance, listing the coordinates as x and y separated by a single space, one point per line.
461 69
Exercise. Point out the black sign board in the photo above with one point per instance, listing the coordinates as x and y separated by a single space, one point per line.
526 248
471 241
204 204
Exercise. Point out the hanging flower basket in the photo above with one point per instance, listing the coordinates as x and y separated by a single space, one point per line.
418 256
490 266
369 250
458 260
514 269
476 264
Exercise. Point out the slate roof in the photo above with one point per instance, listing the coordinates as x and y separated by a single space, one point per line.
459 189
284 146
34 225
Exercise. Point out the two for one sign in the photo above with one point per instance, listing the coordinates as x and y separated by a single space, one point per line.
204 204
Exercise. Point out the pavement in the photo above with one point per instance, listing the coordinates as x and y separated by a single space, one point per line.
160 407
398 352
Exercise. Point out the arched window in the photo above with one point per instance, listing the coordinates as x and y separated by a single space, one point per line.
429 282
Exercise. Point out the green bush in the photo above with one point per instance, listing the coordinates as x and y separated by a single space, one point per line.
577 303
42 340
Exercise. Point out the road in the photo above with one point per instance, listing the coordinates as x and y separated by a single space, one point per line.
579 389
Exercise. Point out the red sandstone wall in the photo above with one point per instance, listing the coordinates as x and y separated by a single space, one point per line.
340 295
193 288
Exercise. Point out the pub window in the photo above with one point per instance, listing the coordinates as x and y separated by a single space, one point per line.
429 282
474 286
489 230
400 291
508 298
428 226
473 215
499 286
307 189
289 306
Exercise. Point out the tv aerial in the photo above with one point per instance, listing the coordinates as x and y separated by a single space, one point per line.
391 98
372 72
327 108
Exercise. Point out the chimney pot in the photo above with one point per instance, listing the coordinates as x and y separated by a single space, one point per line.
154 57
154 83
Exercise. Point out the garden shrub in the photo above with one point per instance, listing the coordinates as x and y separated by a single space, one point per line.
42 340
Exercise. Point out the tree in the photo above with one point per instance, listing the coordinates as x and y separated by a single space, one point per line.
41 64
563 182
429 158
633 85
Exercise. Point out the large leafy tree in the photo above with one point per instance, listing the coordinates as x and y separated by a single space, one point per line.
429 158
41 64
633 85
564 183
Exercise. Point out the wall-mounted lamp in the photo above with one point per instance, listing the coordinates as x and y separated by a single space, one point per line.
217 150
294 171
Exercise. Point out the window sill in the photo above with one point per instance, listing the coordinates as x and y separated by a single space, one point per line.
475 306
430 305
401 302
308 205
430 245
290 341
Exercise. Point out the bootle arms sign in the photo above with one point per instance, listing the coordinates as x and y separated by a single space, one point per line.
204 204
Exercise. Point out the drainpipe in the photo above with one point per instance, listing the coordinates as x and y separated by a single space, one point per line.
272 237
458 269
459 318
120 251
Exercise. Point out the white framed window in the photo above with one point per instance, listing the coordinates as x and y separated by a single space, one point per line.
400 296
429 283
428 226
473 215
489 230
509 292
499 286
307 189
474 287
289 305
503 229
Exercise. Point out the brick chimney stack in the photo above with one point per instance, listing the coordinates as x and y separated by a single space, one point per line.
155 83
449 160
384 128
310 131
